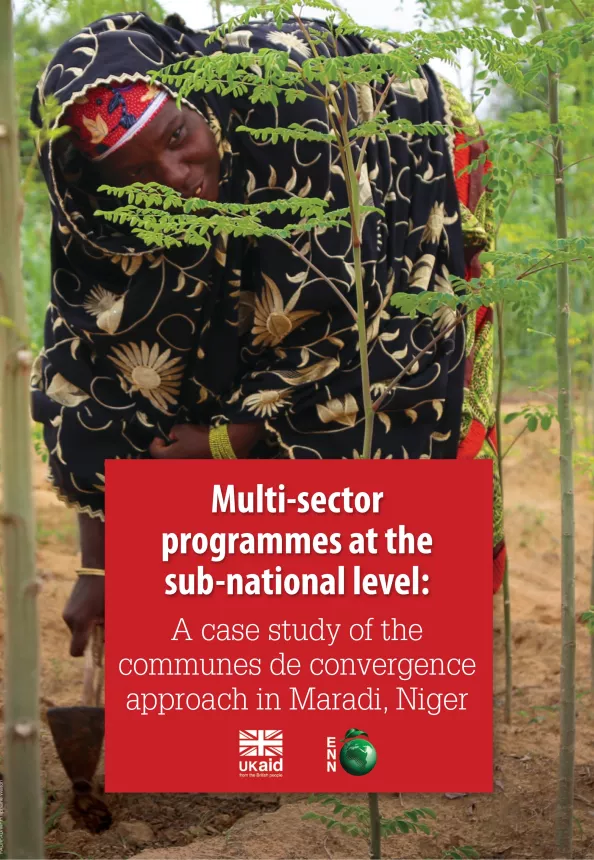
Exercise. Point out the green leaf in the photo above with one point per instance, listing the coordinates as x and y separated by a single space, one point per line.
354 733
518 28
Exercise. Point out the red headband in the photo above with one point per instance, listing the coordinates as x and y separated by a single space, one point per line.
107 117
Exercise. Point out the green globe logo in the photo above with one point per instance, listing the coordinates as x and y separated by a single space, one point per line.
358 755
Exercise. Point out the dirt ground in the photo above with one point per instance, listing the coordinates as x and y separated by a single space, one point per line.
516 821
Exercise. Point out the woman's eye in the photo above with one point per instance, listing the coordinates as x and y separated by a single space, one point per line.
177 135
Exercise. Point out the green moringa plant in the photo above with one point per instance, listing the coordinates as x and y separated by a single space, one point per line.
150 208
501 356
533 418
21 712
564 818
460 852
507 622
588 619
354 820
162 217
585 463
559 45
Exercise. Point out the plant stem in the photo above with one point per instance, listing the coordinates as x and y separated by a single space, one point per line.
578 10
564 817
499 311
394 382
340 124
375 828
356 225
592 636
507 627
378 107
321 275
509 201
574 163
550 266
513 441
24 821
585 416
592 560
217 11
365 380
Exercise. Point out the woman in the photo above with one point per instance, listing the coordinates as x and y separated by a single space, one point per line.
243 350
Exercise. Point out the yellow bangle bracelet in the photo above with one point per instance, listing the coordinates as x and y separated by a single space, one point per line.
90 571
220 444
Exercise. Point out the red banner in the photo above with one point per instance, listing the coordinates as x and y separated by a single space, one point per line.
298 626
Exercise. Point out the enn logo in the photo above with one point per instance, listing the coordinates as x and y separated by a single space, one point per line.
330 755
260 751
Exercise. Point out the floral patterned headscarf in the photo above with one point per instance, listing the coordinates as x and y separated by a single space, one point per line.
107 117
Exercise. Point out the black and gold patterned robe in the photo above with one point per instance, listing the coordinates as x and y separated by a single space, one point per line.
138 338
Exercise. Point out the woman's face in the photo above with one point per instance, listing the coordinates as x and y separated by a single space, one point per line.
176 149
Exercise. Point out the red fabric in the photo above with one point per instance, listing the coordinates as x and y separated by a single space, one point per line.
469 188
461 160
483 315
498 566
101 118
476 188
472 443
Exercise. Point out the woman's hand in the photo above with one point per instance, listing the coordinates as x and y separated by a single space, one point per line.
84 610
86 604
187 441
190 441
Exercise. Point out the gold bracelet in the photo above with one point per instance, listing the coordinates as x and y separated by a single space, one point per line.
220 444
90 571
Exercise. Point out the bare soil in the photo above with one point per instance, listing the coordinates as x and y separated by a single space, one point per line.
516 821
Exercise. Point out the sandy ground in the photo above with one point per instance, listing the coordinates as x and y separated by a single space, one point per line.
515 821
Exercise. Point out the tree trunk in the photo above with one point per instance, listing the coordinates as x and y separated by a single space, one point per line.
592 636
375 829
592 560
506 593
564 816
217 11
585 412
24 820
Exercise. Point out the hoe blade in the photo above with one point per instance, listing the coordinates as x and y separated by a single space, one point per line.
78 737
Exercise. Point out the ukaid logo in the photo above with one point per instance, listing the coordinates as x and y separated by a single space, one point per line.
261 752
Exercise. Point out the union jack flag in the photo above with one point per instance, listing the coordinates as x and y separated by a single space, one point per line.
261 742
